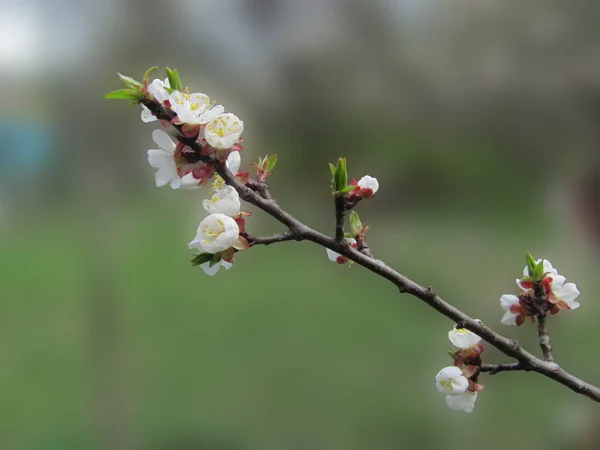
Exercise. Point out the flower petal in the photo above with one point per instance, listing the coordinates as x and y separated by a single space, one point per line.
163 140
568 293
507 300
208 270
147 116
234 160
509 318
557 282
463 338
462 402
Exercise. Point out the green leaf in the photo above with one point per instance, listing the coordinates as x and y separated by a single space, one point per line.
174 80
149 73
531 264
271 161
452 353
332 168
340 178
202 258
179 85
538 272
355 223
344 174
123 94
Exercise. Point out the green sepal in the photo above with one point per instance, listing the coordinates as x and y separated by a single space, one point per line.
215 259
452 354
347 189
174 80
202 258
124 94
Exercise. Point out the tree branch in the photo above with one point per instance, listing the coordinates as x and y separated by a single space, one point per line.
509 347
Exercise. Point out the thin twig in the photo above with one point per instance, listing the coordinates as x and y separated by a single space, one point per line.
544 336
495 368
261 188
288 236
509 347
340 215
363 247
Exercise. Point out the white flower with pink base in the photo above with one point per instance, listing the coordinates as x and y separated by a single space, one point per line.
451 381
215 234
158 90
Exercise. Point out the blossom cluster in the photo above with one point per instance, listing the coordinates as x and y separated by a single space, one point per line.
459 381
217 133
207 136
542 290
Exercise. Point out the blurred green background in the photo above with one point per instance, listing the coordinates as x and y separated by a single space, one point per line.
480 120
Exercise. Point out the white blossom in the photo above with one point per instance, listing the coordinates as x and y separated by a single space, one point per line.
450 380
224 131
216 233
368 182
563 294
557 291
225 201
194 108
463 338
208 270
462 402
158 91
163 159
